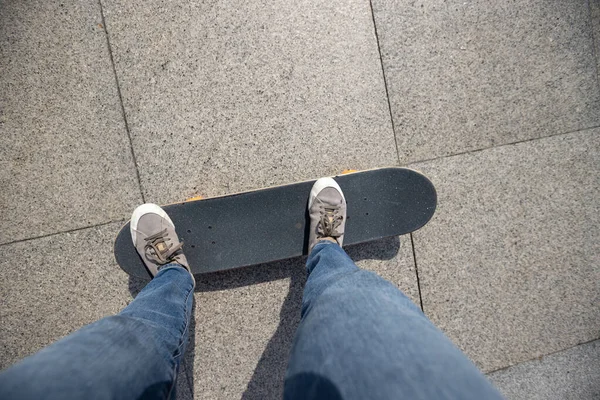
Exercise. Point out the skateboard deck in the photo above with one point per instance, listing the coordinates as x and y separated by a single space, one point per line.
272 224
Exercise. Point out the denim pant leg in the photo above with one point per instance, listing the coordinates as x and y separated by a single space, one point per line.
134 354
362 338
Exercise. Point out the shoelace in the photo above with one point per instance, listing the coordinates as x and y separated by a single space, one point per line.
330 222
158 249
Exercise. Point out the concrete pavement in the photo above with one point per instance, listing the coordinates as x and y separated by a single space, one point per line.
107 104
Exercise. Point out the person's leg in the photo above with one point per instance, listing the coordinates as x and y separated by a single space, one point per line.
362 338
132 355
359 336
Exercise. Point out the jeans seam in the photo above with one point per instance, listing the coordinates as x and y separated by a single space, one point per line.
181 342
177 353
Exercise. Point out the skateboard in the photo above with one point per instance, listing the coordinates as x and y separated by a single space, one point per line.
272 224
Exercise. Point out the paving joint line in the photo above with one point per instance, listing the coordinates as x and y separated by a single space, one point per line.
544 355
412 242
61 232
387 94
114 67
462 153
411 163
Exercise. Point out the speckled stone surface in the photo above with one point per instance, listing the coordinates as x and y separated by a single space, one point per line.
223 97
52 286
570 374
595 16
246 320
509 266
65 160
466 75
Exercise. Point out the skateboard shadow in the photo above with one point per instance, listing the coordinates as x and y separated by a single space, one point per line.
268 377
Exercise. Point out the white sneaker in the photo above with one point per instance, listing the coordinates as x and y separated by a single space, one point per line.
327 211
154 237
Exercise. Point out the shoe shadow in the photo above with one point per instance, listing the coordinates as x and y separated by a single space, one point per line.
268 377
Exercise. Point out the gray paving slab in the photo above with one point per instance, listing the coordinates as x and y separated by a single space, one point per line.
246 320
65 160
52 286
224 97
570 374
466 75
509 266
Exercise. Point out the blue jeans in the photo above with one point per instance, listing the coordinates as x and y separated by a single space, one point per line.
132 355
359 338
362 338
